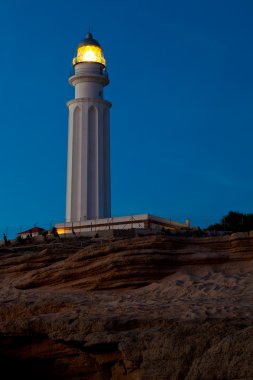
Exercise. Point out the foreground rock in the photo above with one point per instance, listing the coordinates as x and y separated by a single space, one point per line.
144 308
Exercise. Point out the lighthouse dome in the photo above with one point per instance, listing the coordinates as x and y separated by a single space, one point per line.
89 50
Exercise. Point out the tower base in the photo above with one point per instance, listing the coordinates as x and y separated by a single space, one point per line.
140 221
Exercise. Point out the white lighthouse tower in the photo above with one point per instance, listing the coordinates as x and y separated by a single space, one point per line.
88 173
88 208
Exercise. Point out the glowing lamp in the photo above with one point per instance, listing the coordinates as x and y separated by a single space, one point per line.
89 50
61 231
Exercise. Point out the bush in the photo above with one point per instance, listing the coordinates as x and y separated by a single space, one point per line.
235 222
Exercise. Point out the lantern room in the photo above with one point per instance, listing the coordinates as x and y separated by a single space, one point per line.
89 50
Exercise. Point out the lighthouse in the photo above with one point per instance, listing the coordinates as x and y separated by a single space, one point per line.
88 206
88 168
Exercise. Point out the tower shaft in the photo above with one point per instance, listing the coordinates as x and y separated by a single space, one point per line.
88 172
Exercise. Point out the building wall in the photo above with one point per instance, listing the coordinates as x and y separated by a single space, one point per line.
140 221
92 88
88 178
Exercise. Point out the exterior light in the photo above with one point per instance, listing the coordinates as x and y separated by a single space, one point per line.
89 50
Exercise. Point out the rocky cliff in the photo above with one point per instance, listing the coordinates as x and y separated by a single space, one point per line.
146 308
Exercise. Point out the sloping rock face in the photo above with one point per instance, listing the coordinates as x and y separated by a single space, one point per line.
145 308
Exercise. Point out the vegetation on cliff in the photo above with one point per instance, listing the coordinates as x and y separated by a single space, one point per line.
234 222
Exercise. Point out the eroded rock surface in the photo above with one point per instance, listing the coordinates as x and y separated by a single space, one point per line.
146 308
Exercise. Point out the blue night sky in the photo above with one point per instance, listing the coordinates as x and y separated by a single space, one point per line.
182 116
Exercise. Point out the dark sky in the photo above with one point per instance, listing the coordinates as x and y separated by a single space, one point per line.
182 117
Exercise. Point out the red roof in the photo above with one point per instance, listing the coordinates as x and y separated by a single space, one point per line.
32 231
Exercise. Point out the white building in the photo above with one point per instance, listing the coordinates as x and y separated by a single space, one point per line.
88 206
88 177
140 222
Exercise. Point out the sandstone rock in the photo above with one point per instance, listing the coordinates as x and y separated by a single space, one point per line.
147 308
